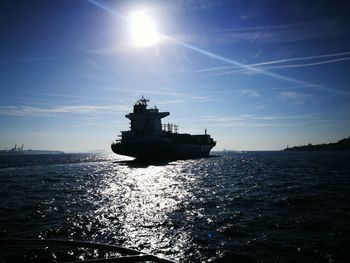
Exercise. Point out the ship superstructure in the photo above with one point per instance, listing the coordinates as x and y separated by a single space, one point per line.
148 139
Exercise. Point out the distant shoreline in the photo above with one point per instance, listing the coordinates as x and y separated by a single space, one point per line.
341 145
29 152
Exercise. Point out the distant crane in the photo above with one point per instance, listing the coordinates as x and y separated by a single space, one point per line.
17 149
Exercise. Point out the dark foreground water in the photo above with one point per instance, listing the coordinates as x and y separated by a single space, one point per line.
239 207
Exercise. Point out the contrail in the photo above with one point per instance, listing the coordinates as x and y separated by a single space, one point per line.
304 58
310 64
286 60
242 70
98 4
238 64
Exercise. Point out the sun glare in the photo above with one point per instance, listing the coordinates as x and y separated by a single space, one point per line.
143 30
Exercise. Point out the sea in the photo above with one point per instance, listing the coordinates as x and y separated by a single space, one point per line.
231 207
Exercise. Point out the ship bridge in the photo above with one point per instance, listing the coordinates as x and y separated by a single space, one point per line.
145 122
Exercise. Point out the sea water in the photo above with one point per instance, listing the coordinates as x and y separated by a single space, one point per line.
232 207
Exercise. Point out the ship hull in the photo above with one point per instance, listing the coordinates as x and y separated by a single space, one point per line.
162 151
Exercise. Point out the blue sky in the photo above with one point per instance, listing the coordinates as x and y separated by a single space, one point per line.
259 75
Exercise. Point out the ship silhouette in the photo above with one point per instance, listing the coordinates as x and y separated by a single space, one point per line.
148 139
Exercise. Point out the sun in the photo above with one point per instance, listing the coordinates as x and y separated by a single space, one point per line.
143 30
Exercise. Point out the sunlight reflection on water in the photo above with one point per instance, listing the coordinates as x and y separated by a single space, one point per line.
140 200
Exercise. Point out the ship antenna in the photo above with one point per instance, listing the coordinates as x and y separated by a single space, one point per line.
142 101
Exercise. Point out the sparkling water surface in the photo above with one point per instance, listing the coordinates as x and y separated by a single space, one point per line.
235 207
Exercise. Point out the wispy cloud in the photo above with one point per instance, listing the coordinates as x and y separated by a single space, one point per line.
94 65
249 120
28 111
294 97
268 34
186 99
40 134
32 59
260 107
109 50
198 4
96 121
251 93
123 47
75 99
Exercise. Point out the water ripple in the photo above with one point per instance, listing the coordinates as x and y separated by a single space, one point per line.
249 207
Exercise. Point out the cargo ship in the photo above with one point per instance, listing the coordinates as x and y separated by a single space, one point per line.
149 139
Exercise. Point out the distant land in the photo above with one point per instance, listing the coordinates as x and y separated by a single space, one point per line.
341 145
6 152
19 151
